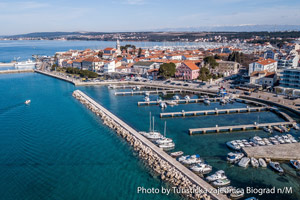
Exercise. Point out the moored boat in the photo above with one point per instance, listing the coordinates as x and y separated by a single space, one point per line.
234 157
262 162
169 145
176 97
295 163
172 103
244 162
221 182
254 162
217 175
201 168
176 154
163 105
237 194
187 97
276 166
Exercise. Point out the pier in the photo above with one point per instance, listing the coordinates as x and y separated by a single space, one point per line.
150 92
169 168
12 71
245 127
213 112
180 101
282 152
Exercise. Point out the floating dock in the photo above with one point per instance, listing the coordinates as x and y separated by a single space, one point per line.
245 127
213 112
280 152
180 101
150 92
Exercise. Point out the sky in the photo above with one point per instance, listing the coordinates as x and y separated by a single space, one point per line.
26 16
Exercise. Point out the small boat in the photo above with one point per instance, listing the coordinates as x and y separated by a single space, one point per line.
138 87
276 128
276 166
164 140
223 101
234 157
296 127
176 154
146 99
268 130
284 129
251 198
233 145
163 105
262 162
226 189
192 160
27 102
167 145
237 194
201 168
254 162
295 163
206 101
172 103
187 97
221 182
147 93
244 162
176 97
216 176
182 158
153 135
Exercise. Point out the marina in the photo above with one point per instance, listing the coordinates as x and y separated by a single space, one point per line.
180 101
149 92
213 112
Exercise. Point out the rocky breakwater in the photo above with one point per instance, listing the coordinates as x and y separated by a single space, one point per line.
180 183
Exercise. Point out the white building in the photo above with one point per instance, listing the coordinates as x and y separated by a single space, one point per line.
109 67
269 65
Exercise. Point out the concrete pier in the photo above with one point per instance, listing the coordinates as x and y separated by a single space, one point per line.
213 112
170 169
245 127
12 71
180 101
282 152
150 92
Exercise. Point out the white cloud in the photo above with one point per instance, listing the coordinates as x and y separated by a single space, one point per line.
135 2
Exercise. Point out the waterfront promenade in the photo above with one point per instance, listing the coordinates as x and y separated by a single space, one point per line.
282 152
163 155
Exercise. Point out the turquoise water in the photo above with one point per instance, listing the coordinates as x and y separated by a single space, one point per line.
55 148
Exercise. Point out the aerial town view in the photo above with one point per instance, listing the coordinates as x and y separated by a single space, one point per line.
140 99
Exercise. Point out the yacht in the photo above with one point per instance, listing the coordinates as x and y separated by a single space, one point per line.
29 64
176 97
244 162
163 105
182 158
254 162
221 182
152 134
262 162
147 99
192 160
176 154
276 166
206 101
295 163
164 140
234 157
169 145
187 97
233 145
27 102
219 175
201 168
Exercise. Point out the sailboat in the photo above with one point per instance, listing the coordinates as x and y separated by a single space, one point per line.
165 142
152 134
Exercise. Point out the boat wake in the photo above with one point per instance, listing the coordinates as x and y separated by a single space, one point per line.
9 108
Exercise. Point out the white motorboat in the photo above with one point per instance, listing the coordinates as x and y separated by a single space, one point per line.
233 145
201 168
169 145
147 93
237 194
176 154
268 130
254 162
216 176
192 160
206 101
164 140
234 157
182 158
187 97
221 182
296 127
163 105
27 102
262 162
176 97
172 103
244 162
295 163
276 166
138 87
146 99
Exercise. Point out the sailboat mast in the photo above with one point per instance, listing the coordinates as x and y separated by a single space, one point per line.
150 122
153 123
165 128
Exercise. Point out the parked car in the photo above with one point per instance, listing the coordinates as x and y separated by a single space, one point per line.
186 84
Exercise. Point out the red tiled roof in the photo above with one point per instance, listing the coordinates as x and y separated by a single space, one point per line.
191 65
266 61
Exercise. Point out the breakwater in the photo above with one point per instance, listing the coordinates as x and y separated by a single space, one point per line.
16 71
169 169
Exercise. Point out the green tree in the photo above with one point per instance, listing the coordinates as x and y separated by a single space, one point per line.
167 70
204 74
139 52
211 61
53 67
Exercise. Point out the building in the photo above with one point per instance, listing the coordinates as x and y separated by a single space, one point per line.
263 64
142 67
290 78
290 61
263 78
92 63
187 70
109 67
227 68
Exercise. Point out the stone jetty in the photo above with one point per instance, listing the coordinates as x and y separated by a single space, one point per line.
170 170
